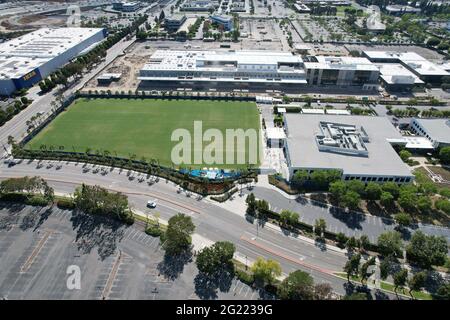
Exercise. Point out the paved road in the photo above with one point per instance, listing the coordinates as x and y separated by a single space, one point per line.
37 246
212 222
352 224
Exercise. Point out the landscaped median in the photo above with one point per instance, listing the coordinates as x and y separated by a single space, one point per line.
389 287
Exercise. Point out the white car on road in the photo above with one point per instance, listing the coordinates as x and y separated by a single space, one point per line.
151 204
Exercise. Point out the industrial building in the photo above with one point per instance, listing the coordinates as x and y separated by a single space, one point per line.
396 77
301 7
126 6
396 9
341 71
225 21
174 22
199 5
427 71
437 131
264 67
30 58
358 146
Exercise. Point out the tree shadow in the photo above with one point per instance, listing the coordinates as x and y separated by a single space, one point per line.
43 217
320 243
173 265
30 219
207 286
13 207
350 219
319 200
301 200
96 231
380 295
433 282
11 217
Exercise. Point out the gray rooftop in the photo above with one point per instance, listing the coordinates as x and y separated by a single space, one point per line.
381 158
438 129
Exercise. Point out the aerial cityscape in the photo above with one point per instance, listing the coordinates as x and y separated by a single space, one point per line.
233 150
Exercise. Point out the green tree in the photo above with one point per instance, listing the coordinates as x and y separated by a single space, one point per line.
251 204
424 204
417 282
320 226
407 200
444 155
337 190
300 177
356 186
405 155
352 266
363 272
351 244
392 188
261 207
400 278
178 234
341 239
426 251
364 242
443 205
403 219
443 292
298 285
387 266
351 200
288 217
373 191
390 243
265 271
216 257
433 41
386 199
98 200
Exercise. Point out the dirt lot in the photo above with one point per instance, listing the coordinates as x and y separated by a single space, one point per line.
129 66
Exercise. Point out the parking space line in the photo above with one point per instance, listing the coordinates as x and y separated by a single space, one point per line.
35 251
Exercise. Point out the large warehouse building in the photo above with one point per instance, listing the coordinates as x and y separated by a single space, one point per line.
28 59
358 146
426 70
437 131
341 71
227 66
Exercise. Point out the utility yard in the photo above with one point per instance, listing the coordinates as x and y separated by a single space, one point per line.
143 127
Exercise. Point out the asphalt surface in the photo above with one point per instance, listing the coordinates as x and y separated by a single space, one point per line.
350 223
38 245
212 222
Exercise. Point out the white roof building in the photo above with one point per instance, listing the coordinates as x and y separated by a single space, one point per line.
424 69
358 146
224 66
37 54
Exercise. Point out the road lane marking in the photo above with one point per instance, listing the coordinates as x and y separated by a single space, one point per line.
35 252
112 276
286 257
127 192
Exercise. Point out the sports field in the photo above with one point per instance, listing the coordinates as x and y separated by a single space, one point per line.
143 127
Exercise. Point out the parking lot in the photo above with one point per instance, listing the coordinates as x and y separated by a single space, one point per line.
37 245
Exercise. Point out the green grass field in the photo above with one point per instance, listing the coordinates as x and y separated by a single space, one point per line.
142 127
